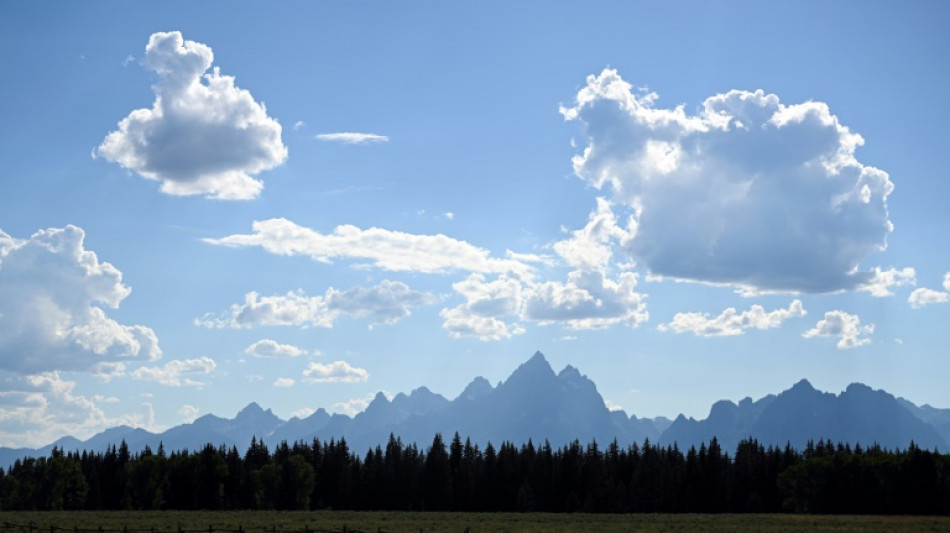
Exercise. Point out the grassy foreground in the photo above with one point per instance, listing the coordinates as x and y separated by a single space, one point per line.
399 522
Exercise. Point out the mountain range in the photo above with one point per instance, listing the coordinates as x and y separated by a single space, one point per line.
538 404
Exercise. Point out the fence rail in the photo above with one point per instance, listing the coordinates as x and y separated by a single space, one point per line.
32 527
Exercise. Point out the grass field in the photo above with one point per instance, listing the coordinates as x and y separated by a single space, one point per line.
407 522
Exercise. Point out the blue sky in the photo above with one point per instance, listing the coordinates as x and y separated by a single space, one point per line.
301 204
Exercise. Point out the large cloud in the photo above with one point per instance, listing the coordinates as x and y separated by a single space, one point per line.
203 135
748 192
51 290
730 322
384 303
385 249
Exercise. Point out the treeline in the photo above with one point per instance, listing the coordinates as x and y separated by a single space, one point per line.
822 478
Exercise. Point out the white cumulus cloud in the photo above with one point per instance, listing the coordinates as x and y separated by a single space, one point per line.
587 300
352 138
52 294
203 134
591 246
384 249
845 326
335 372
384 303
731 322
881 281
284 382
924 296
271 348
175 373
749 192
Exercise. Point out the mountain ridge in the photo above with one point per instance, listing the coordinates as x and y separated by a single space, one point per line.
536 403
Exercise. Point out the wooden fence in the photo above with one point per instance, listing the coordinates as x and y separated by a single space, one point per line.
31 527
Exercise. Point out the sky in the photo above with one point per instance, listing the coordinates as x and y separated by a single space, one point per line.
300 204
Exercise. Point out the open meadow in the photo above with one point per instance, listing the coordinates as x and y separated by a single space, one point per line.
415 522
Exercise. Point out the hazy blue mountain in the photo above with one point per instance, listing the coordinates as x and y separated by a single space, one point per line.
300 429
252 421
727 421
538 404
938 418
857 415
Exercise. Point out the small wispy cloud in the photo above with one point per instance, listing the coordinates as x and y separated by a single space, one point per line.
352 138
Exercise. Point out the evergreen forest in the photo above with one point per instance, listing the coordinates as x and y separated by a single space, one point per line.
459 476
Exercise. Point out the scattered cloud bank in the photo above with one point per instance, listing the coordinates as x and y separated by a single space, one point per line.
731 322
175 373
272 349
352 138
35 410
385 303
924 296
335 372
749 192
589 299
51 290
203 135
846 327
384 249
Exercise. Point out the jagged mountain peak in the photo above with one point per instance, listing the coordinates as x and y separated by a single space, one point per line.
537 367
859 388
252 407
803 386
722 408
422 392
569 372
319 413
253 411
478 388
